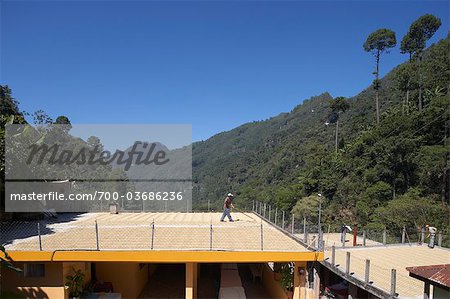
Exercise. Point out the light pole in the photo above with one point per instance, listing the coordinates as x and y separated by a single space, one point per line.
319 238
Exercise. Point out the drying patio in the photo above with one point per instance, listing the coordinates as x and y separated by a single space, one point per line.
149 231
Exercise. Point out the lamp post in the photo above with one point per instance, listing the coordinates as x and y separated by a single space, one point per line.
319 238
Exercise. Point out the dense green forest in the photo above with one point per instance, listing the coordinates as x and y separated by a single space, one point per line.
392 174
379 158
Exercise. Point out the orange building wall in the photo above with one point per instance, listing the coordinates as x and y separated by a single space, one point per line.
51 286
272 286
129 279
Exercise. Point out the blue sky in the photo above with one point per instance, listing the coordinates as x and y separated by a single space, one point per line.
214 65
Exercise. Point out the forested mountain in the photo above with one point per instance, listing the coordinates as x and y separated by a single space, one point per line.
399 167
391 173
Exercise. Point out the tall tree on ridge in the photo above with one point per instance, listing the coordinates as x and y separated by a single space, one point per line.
340 104
414 42
378 42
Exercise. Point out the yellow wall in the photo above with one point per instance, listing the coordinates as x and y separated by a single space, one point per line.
51 286
272 286
127 278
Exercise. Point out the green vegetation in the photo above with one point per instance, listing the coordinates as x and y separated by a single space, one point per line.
382 166
378 42
387 175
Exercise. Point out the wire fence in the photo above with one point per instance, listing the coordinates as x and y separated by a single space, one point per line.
308 231
227 236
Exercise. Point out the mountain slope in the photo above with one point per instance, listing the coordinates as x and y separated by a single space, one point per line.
280 160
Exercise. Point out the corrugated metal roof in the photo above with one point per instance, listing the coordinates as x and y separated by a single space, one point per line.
435 273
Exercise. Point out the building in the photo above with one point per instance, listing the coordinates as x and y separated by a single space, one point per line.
380 271
437 276
125 252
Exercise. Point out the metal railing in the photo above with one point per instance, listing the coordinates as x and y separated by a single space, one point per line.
308 232
227 236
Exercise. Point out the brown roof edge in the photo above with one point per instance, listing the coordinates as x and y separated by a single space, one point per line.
438 275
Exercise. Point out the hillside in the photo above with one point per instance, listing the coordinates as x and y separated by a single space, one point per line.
291 155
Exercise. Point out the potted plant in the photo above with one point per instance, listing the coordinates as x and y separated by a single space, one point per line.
277 271
287 279
75 283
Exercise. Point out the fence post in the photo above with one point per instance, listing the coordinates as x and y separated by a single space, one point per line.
276 215
343 237
364 238
384 236
262 237
153 233
264 212
39 234
333 255
403 235
253 205
422 236
210 236
270 211
96 234
440 239
293 223
282 221
305 233
366 277
393 282
347 263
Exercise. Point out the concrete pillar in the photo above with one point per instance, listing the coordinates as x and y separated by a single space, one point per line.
191 281
426 290
299 278
393 283
347 263
352 291
367 272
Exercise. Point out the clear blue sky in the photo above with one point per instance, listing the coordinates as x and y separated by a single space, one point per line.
214 65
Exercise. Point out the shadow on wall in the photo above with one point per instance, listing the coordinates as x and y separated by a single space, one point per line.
37 293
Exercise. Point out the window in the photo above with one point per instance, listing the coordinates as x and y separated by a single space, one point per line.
34 270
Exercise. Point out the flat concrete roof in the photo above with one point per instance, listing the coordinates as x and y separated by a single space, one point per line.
133 231
384 258
334 239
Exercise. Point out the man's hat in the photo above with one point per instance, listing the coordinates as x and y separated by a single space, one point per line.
230 195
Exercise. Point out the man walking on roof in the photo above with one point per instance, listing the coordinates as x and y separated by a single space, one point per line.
431 234
227 206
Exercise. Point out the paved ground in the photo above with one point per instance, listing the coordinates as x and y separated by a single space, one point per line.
384 258
168 282
133 231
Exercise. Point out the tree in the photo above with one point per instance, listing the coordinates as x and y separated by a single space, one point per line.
62 120
378 42
340 104
423 29
406 79
41 118
63 123
307 207
8 105
414 42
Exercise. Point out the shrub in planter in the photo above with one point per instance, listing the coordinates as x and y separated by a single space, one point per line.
287 278
75 283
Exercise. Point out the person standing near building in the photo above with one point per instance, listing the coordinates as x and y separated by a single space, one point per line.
227 206
431 234
344 230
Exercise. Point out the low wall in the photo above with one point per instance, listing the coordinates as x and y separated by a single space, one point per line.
129 279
